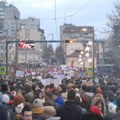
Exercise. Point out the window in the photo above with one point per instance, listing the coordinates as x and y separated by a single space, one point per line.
1 13
1 47
10 47
1 54
1 9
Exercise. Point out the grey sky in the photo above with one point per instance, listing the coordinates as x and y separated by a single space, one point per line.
78 12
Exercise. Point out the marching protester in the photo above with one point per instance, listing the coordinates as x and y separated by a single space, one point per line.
59 96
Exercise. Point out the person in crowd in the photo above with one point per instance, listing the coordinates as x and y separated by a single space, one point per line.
37 109
4 89
27 113
64 92
58 99
97 97
111 111
117 115
70 110
97 106
18 103
49 111
3 110
29 95
78 102
92 116
5 102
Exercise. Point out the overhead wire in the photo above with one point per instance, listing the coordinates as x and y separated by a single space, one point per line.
66 16
83 7
70 15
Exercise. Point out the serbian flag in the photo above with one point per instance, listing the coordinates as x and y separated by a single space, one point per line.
23 44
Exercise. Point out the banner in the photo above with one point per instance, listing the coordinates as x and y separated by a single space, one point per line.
20 74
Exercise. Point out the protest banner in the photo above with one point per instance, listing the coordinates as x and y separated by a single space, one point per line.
20 74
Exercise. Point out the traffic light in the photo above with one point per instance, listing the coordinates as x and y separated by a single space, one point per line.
69 41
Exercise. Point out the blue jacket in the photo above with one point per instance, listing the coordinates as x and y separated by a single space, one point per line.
59 102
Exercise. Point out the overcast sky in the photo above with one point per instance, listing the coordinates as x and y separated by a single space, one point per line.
77 12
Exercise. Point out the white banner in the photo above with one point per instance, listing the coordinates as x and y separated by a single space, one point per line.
20 73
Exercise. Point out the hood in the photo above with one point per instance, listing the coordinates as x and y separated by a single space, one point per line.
70 105
59 101
37 110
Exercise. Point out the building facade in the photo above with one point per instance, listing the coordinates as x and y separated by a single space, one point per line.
30 30
9 24
81 34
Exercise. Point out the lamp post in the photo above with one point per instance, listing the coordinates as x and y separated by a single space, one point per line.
93 60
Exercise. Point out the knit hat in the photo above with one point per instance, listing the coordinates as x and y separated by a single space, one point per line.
37 103
29 97
96 110
37 106
112 108
6 98
50 110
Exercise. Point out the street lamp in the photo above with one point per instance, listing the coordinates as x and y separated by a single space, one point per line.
93 54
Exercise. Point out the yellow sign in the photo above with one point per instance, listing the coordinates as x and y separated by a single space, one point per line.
2 69
90 70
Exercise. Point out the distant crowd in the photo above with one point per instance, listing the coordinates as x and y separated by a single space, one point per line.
74 99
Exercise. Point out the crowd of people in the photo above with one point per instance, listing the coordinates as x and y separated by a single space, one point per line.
74 99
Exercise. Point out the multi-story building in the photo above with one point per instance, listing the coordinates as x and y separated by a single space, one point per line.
30 30
9 24
83 34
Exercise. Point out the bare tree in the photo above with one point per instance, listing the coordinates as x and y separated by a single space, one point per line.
114 25
114 18
59 53
49 52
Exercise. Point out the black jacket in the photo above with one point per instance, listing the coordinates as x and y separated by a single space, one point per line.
69 111
3 113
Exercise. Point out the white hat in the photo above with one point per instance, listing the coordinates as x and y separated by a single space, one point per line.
18 108
6 98
112 108
37 103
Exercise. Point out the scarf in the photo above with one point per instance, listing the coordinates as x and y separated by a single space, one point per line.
37 110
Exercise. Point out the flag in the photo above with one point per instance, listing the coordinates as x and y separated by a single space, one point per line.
23 44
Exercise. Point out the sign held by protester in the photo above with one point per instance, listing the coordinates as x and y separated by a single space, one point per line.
20 73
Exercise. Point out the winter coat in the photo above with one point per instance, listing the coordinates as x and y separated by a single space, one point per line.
110 116
37 113
69 111
3 113
10 112
116 116
59 101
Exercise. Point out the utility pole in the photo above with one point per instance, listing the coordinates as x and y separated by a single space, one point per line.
93 58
